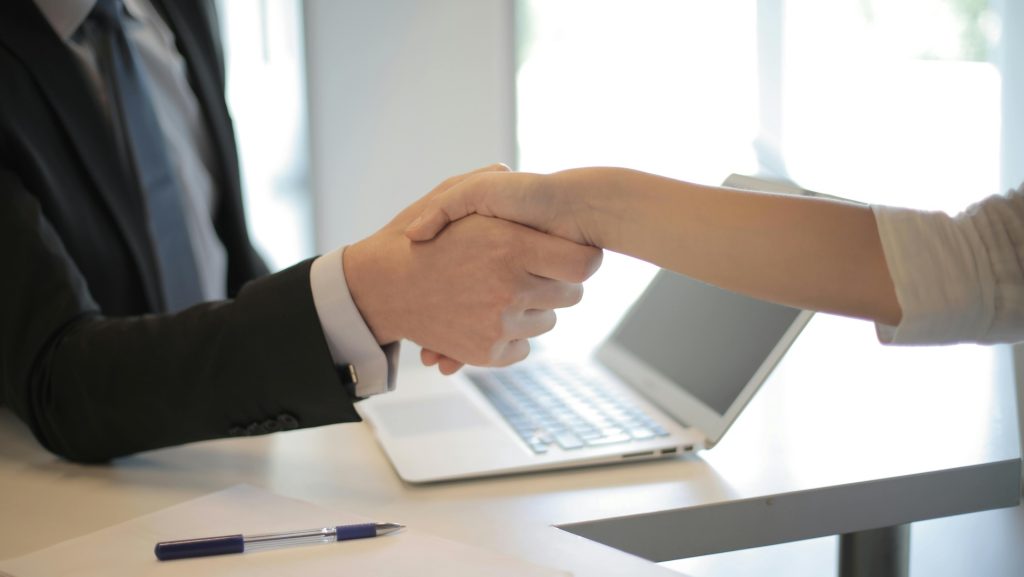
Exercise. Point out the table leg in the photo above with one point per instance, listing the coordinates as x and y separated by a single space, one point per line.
881 552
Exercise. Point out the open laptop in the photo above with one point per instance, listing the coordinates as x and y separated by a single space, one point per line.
670 379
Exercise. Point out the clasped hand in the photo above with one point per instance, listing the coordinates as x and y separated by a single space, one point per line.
472 294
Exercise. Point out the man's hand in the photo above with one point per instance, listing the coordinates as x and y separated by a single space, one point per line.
474 294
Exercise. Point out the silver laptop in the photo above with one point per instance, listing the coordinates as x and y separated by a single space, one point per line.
670 379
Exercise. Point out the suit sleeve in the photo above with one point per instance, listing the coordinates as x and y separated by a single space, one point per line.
92 387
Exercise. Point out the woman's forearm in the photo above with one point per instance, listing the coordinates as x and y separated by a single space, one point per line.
804 252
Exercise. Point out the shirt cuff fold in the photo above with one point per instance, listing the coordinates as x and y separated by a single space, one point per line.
348 337
931 257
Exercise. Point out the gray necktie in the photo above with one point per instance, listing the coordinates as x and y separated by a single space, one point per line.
148 157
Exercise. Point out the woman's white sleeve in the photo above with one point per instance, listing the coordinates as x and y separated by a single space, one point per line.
957 279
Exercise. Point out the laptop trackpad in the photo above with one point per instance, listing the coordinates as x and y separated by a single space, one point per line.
433 414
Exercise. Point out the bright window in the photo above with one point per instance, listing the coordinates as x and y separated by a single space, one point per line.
885 102
659 85
263 48
892 102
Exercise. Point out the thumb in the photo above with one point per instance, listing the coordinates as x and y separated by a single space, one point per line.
449 206
429 222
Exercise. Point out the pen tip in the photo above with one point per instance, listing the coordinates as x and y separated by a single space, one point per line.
385 528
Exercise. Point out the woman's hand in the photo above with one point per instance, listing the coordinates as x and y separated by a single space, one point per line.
534 200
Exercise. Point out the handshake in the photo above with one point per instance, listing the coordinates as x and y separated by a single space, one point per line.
476 267
470 288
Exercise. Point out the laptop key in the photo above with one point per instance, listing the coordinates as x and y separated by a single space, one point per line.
538 447
562 407
609 440
660 431
641 433
569 441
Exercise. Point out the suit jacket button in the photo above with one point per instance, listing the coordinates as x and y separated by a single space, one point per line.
271 426
253 429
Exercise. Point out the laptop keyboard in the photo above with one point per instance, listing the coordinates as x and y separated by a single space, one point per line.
560 405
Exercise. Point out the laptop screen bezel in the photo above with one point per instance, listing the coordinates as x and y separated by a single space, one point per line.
674 399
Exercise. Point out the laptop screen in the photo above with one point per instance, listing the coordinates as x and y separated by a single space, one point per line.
706 340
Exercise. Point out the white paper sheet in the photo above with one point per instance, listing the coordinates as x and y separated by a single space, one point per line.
127 549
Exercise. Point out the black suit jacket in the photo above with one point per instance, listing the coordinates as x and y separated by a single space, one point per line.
84 359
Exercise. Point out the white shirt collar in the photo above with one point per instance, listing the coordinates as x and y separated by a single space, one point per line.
67 16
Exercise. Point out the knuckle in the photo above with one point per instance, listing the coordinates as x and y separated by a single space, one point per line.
498 248
512 287
480 355
574 294
495 331
539 322
587 264
575 269
549 321
495 355
522 350
503 298
514 352
450 181
566 294
594 263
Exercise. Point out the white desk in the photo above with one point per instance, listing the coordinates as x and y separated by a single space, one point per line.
845 436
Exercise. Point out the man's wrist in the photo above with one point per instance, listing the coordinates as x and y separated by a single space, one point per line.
363 264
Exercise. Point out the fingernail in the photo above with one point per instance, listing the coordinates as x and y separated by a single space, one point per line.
415 223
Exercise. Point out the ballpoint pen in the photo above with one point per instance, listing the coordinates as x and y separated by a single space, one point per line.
226 544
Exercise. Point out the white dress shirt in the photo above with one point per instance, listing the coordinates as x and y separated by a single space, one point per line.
194 161
957 279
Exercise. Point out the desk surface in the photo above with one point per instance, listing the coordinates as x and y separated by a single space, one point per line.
839 411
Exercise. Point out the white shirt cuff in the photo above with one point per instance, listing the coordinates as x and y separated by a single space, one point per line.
348 338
